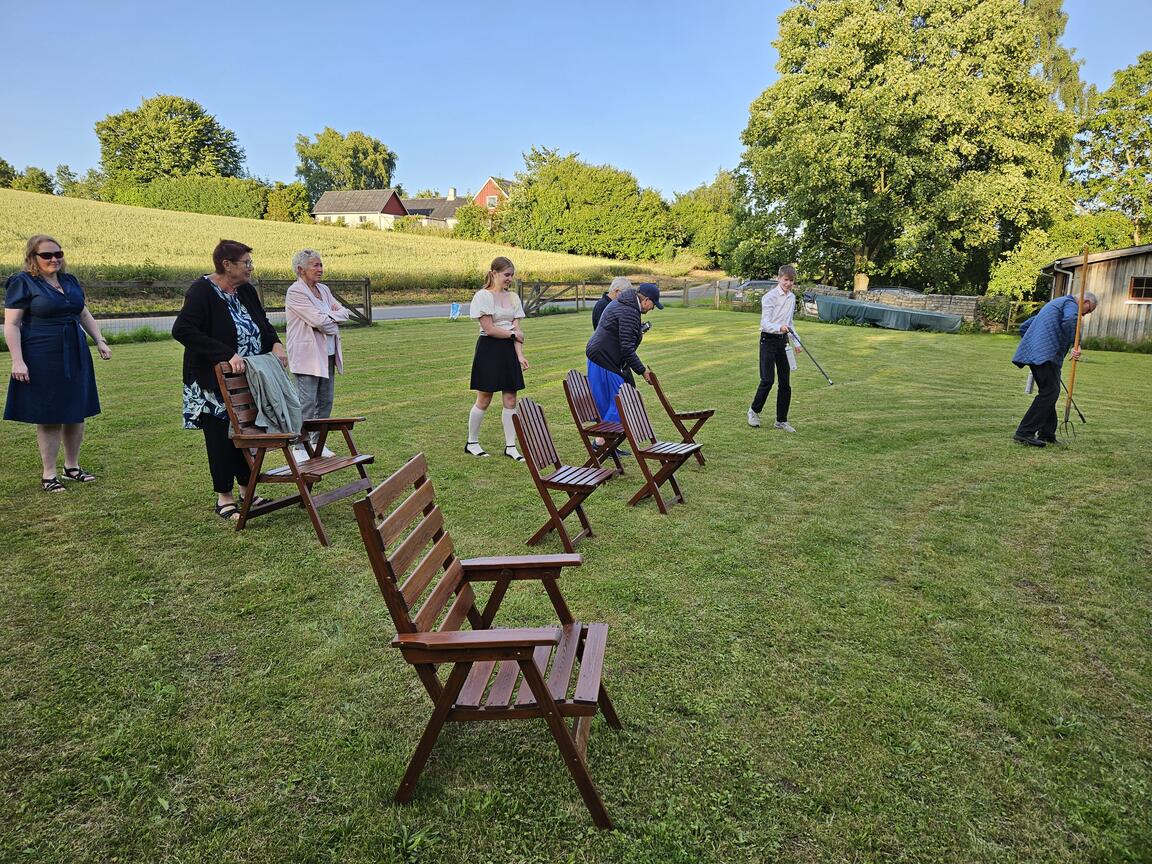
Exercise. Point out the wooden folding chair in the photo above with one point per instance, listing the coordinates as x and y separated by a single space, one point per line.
588 421
669 456
553 673
550 475
255 443
679 418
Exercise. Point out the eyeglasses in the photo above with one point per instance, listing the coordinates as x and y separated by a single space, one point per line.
48 256
247 264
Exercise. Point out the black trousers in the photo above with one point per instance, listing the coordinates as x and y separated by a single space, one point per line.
774 361
1040 418
225 460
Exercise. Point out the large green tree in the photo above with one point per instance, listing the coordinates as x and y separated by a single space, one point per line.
167 136
336 161
562 204
7 173
1116 146
34 179
288 203
70 185
703 217
913 138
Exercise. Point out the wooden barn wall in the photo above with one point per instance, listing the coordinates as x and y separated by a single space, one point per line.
1109 281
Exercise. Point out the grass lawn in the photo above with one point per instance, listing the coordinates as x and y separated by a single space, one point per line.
894 636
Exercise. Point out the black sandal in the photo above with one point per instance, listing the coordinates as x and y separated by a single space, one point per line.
79 474
228 511
52 484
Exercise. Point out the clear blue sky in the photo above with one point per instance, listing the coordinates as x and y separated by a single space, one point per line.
457 89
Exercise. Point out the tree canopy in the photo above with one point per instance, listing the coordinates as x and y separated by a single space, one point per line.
167 136
7 173
907 138
34 179
703 217
562 204
1116 149
336 161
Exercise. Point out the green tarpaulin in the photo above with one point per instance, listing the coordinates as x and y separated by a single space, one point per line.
892 317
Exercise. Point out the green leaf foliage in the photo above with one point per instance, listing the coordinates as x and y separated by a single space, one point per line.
221 196
474 222
336 161
70 185
909 138
288 203
703 217
167 136
1117 146
34 180
1018 274
565 205
7 174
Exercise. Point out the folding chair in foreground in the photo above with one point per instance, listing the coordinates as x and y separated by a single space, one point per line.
678 418
550 475
668 456
551 673
587 417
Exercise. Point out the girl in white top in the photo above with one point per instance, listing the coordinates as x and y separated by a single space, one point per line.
499 361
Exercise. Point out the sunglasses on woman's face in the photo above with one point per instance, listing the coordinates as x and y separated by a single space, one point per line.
48 256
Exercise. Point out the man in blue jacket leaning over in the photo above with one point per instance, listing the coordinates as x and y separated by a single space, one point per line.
1047 336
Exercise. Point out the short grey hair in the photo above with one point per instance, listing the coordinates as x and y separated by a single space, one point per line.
620 283
1090 297
303 257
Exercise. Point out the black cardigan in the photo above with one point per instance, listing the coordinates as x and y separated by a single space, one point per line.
205 328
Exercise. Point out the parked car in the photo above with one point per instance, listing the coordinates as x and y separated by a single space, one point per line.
759 285
895 289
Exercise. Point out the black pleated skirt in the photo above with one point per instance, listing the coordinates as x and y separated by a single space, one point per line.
495 367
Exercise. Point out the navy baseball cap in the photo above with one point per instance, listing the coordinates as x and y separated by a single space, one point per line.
652 291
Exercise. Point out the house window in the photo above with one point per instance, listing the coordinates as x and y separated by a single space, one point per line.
492 201
1140 288
362 218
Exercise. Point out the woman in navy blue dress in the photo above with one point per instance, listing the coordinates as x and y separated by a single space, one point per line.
53 383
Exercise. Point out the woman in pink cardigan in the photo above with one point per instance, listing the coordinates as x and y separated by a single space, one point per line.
314 354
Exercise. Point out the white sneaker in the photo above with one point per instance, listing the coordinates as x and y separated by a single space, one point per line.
783 424
753 418
327 452
512 453
300 453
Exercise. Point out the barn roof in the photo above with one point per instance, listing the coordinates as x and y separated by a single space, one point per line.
1076 260
353 201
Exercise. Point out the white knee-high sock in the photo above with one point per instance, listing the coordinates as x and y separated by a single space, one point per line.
509 428
475 418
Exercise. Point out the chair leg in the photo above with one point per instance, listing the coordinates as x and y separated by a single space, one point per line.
432 731
307 503
254 466
555 523
606 707
577 767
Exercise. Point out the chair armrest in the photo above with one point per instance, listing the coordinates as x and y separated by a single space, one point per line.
332 422
463 640
479 569
266 439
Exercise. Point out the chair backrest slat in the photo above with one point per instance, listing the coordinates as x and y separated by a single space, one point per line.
632 410
439 558
460 608
398 521
433 607
580 400
429 528
538 444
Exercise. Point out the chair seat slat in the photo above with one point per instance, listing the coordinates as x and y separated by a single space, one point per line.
591 665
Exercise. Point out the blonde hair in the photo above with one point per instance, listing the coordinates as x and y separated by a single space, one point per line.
499 265
31 262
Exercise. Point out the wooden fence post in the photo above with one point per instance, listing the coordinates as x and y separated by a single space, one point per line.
368 300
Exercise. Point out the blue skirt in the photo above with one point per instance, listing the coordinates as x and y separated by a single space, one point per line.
604 385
